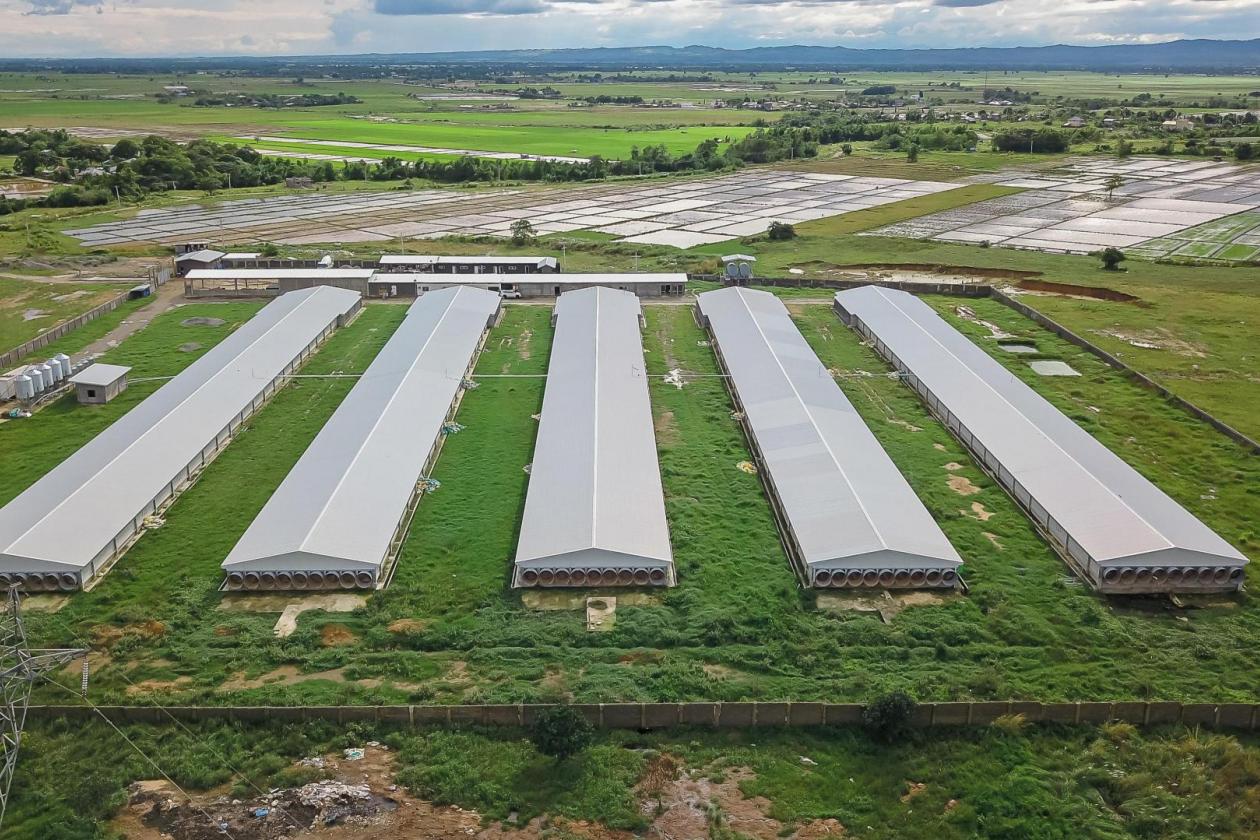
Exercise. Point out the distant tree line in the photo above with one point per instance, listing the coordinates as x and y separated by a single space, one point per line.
273 100
94 175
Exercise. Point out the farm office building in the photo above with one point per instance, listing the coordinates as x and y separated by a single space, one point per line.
67 528
595 509
848 517
340 516
1116 528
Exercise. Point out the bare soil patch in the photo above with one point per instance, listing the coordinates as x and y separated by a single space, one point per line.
962 485
666 429
978 511
407 625
336 635
158 686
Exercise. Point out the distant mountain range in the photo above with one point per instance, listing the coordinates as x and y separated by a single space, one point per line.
1173 55
1185 56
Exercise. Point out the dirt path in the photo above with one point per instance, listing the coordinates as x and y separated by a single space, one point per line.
165 298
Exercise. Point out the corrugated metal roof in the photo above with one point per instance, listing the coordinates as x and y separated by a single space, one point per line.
424 259
629 281
341 504
64 521
280 273
846 504
99 374
1115 514
204 255
595 499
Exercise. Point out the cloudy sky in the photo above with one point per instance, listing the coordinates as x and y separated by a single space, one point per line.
56 28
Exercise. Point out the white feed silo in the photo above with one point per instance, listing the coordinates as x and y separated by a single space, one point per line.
50 375
37 378
66 368
25 387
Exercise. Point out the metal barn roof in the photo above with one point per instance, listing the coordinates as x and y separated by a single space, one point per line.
1105 506
341 505
68 520
845 503
629 281
595 503
424 259
99 375
205 255
280 273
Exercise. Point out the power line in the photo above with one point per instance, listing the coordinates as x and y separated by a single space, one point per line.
221 827
189 731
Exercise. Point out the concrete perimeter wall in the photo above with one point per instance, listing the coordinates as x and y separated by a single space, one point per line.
1241 716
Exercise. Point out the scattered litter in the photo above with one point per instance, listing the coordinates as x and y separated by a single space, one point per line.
470 384
737 415
535 416
154 522
18 414
809 762
747 466
704 343
675 378
529 468
430 484
351 754
796 271
452 428
260 813
316 761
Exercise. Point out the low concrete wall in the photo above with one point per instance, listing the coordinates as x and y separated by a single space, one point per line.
1112 361
640 716
975 290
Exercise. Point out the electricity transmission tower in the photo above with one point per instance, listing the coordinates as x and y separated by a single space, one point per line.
19 668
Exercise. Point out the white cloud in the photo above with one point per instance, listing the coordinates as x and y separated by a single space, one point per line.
56 28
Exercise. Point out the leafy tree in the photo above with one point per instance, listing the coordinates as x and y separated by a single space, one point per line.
912 153
1124 148
561 732
523 232
1113 183
269 249
781 232
846 149
1111 258
1042 140
1244 151
887 718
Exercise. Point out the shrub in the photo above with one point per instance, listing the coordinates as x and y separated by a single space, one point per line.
1111 258
1010 724
781 231
887 719
561 732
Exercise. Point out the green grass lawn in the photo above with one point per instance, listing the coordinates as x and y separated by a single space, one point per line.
30 307
1109 782
448 629
31 447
